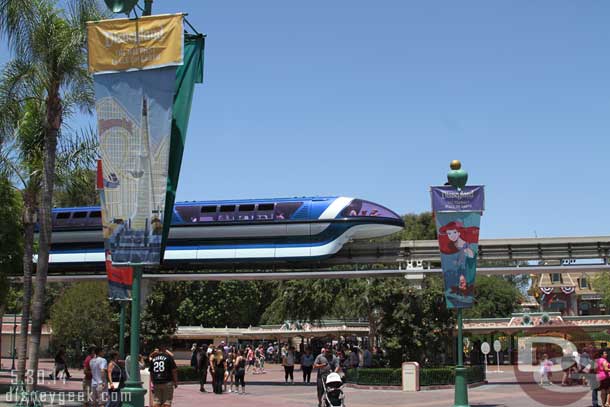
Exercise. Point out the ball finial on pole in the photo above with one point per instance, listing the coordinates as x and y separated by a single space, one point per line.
457 177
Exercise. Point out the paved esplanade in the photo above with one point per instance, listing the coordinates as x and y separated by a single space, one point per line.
269 390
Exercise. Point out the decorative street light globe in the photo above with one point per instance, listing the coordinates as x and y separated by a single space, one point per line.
121 6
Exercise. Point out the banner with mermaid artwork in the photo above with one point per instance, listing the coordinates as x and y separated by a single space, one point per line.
458 241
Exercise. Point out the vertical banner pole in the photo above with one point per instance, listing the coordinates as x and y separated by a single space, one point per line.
461 385
14 342
122 331
134 393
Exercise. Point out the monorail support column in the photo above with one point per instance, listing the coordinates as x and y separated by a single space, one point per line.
133 391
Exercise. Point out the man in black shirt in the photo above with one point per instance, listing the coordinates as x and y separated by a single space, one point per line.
164 375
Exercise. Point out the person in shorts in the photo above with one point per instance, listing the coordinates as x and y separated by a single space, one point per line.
87 391
99 365
164 375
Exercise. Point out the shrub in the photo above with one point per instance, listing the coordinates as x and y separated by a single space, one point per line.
187 374
427 376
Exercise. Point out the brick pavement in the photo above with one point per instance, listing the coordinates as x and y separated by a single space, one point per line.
269 390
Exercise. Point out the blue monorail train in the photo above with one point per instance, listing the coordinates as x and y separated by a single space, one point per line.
252 230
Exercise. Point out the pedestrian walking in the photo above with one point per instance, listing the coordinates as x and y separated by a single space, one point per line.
230 374
115 380
367 358
546 366
240 372
250 358
164 376
218 366
60 364
87 392
99 366
325 364
203 363
603 377
307 360
288 363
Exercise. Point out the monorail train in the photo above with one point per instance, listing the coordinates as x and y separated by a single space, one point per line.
263 230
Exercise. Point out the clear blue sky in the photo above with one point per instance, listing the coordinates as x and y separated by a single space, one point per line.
373 99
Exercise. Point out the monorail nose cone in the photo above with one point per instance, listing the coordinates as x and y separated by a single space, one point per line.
457 177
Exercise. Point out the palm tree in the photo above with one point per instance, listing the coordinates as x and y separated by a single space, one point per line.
21 162
51 43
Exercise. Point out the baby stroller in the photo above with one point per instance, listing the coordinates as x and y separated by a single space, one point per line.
333 391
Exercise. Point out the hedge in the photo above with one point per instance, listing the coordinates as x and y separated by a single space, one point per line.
427 376
187 374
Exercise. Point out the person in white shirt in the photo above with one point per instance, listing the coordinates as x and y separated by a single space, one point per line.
99 379
288 363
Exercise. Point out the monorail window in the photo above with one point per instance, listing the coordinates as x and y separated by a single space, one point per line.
63 215
246 212
285 210
227 213
196 214
359 207
95 214
265 211
79 215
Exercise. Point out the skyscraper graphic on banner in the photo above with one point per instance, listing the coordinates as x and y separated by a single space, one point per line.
134 181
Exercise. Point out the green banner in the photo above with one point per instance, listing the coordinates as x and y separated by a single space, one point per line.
187 75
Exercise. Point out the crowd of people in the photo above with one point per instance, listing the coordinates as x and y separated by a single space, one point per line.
105 375
589 367
223 366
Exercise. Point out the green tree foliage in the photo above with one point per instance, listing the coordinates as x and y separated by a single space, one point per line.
82 315
415 323
160 315
218 303
204 303
417 227
601 284
10 235
495 297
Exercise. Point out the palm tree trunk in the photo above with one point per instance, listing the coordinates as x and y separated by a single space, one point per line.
29 219
54 113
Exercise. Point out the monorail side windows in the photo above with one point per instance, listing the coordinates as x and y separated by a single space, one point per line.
208 213
265 211
79 215
63 215
359 207
238 213
95 214
227 213
246 212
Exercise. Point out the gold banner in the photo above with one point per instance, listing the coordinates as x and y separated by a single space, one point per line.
134 44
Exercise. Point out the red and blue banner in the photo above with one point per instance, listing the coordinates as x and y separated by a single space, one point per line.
458 219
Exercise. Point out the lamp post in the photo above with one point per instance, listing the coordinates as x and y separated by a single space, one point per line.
14 344
134 392
457 210
122 331
457 178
